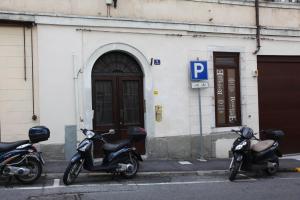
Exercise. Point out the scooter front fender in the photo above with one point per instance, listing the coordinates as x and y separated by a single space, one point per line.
238 157
76 157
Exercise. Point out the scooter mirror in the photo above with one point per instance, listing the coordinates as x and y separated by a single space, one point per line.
111 131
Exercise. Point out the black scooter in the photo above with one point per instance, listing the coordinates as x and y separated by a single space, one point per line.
21 159
250 156
119 158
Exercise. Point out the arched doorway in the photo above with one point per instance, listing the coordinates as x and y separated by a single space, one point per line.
117 95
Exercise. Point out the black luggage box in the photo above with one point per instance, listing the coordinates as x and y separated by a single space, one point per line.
274 134
39 134
137 134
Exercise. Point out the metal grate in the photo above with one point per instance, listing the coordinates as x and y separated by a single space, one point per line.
116 62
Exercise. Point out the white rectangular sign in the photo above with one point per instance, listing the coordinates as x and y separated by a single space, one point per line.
199 84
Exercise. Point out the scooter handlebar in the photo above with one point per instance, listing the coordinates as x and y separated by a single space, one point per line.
98 137
110 132
84 130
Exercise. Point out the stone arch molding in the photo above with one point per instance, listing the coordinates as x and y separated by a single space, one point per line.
87 86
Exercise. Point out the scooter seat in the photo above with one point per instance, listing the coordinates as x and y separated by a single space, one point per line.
7 146
262 145
116 146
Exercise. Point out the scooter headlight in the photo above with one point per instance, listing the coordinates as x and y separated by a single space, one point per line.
240 146
90 134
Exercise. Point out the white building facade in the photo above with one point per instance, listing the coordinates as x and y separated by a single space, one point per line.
50 52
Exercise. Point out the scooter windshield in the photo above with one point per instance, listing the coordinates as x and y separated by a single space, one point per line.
247 132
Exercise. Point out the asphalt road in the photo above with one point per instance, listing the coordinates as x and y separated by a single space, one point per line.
203 186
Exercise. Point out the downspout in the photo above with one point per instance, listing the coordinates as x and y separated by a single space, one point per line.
24 51
34 116
76 71
257 27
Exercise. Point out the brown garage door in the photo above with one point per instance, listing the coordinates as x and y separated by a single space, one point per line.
279 98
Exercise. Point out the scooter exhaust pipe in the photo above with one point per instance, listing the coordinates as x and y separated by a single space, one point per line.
125 167
20 171
263 166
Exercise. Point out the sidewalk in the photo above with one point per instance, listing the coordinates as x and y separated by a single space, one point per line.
176 166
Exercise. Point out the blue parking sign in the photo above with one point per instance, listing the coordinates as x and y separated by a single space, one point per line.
198 70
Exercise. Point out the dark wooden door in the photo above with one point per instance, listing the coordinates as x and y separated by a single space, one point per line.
131 112
279 98
117 88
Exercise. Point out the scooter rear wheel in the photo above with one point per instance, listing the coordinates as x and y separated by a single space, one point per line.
135 163
71 173
273 170
35 171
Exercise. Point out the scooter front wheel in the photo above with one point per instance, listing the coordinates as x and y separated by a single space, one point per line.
71 173
233 171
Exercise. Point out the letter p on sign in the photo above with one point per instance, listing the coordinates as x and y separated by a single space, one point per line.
198 70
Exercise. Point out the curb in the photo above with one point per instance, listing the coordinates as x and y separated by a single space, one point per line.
289 170
141 174
163 173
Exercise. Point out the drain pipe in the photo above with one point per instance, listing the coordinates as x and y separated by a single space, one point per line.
34 116
77 71
24 51
257 27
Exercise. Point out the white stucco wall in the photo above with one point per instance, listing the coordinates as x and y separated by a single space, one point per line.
16 103
60 49
223 147
58 44
146 29
221 12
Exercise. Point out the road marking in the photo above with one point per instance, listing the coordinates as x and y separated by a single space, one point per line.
184 162
56 183
33 188
177 183
113 184
202 160
140 184
288 178
248 177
